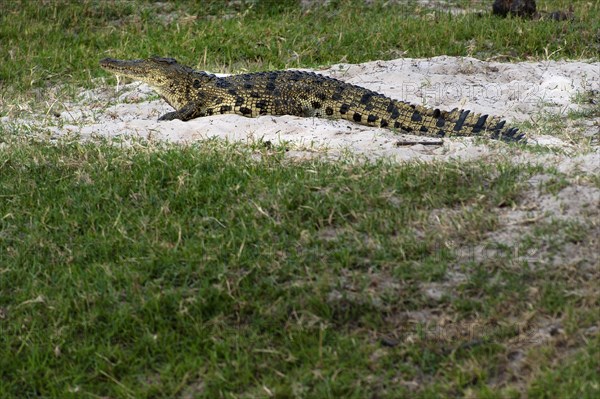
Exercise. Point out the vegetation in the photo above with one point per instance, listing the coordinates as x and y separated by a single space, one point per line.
144 269
62 41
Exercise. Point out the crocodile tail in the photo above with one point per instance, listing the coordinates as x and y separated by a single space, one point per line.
433 122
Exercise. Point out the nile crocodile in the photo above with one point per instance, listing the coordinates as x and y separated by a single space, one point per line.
196 93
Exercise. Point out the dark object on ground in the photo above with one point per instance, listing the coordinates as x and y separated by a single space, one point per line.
527 9
519 8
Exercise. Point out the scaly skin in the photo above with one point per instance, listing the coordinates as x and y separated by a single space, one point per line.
195 93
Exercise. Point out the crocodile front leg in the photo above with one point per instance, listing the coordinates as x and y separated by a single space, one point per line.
191 110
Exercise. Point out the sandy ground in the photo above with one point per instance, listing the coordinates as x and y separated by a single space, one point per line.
517 92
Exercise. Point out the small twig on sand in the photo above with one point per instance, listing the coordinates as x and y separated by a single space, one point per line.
402 143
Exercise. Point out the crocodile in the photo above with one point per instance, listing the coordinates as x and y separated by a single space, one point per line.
196 94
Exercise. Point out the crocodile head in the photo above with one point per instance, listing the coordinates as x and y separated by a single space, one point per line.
176 83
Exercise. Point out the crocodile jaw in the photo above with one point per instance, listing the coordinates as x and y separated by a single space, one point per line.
162 74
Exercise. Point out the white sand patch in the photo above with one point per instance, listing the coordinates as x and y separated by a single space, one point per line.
517 92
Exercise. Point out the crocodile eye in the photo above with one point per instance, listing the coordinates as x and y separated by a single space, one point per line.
196 84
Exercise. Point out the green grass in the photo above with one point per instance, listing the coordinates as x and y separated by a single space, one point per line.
565 380
62 41
150 270
138 269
